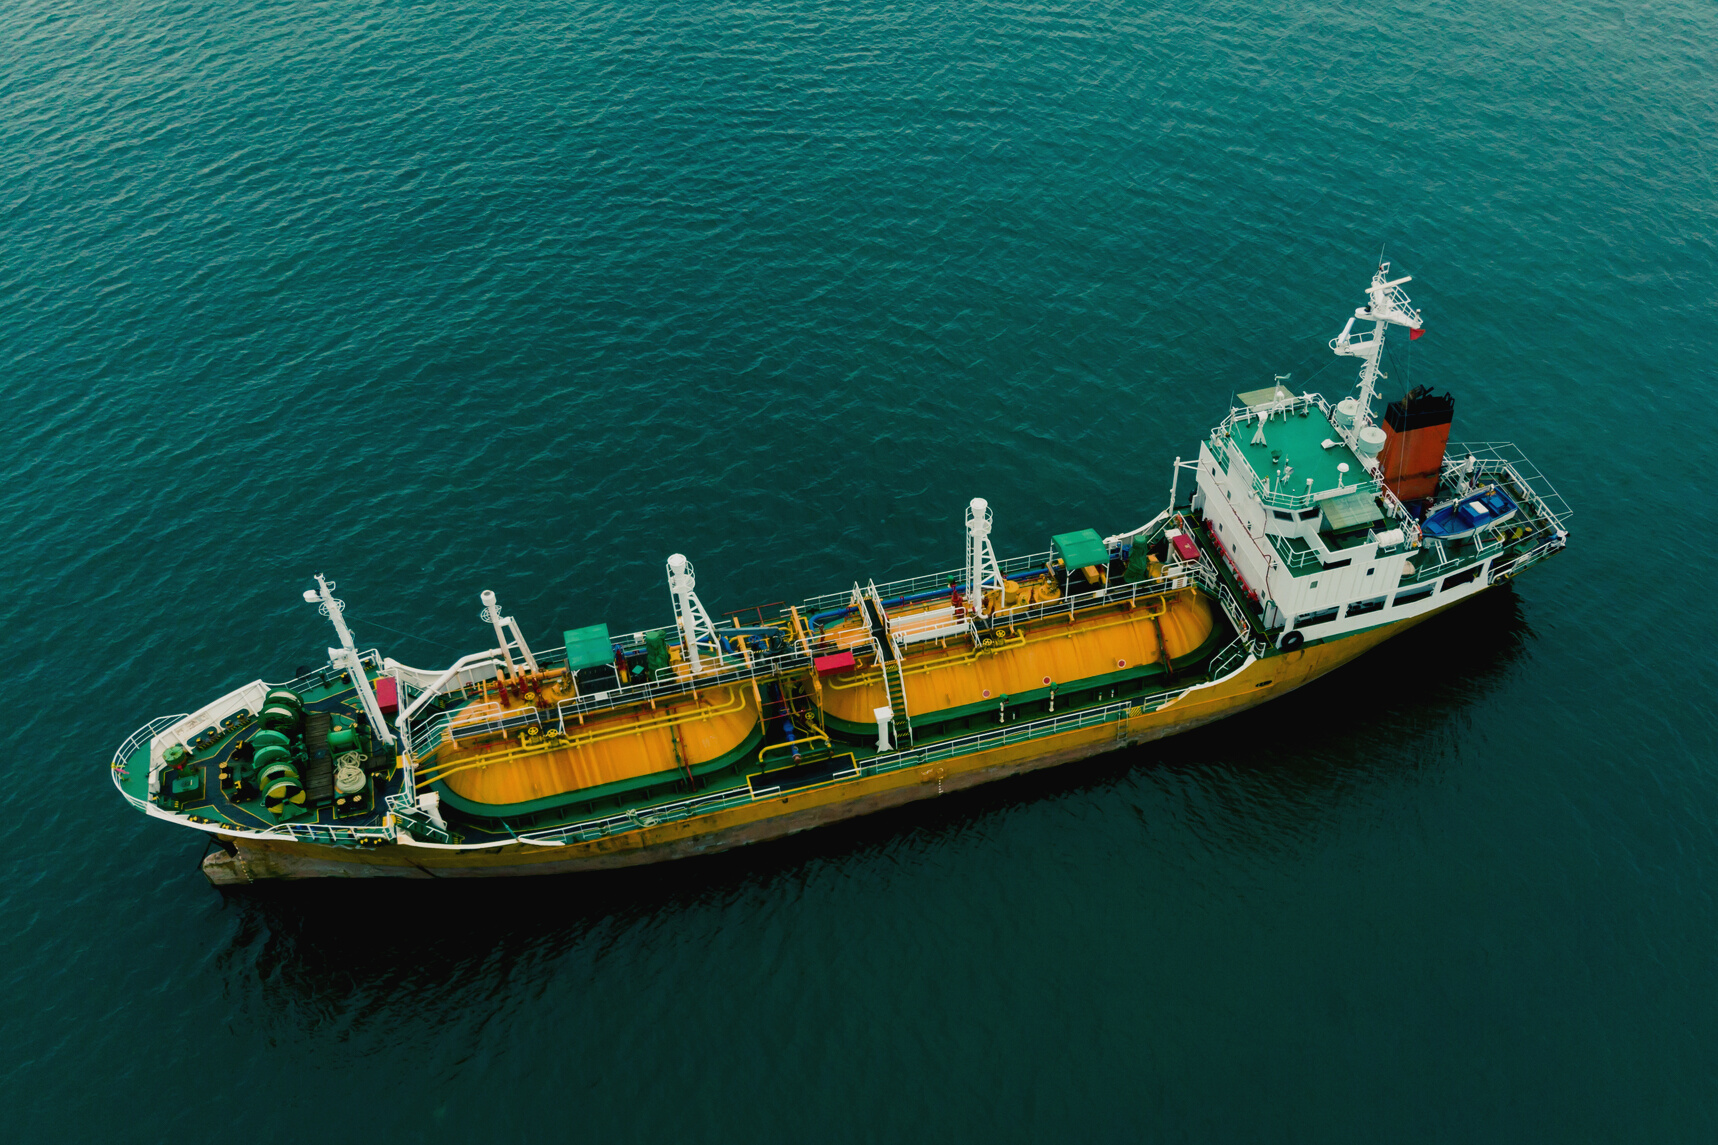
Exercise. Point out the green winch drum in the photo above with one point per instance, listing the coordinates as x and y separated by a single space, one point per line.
285 696
271 753
281 789
268 737
280 717
175 755
342 739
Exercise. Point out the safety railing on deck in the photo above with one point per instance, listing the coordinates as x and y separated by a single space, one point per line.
1492 457
912 585
426 736
1115 593
1230 657
331 834
1368 481
120 768
1003 736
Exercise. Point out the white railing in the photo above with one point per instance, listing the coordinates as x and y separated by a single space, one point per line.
1531 556
333 835
1495 456
913 585
1369 480
248 698
1002 736
431 732
643 817
1230 657
120 768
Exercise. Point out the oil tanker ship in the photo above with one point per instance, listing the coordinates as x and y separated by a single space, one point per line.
1300 536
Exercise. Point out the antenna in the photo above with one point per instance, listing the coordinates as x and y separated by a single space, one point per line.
1387 305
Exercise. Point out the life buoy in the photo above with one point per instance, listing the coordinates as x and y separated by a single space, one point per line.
1293 641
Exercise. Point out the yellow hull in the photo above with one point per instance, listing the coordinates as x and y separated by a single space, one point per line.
794 812
1053 651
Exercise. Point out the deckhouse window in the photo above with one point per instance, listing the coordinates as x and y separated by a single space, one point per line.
1414 594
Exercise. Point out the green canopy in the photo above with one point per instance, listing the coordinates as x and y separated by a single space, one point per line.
1350 511
588 647
1080 549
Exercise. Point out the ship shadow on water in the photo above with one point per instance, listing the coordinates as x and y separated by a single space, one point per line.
316 937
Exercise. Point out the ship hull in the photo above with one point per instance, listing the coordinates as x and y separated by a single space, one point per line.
248 860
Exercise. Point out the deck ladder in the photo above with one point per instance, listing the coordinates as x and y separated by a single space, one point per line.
889 654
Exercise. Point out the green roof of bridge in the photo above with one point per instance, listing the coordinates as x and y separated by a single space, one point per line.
1299 442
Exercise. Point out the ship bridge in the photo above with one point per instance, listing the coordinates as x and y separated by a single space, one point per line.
1295 453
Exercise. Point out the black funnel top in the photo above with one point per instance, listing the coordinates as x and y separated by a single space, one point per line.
1421 408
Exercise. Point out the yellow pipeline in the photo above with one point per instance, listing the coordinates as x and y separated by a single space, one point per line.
871 675
1069 652
811 738
736 701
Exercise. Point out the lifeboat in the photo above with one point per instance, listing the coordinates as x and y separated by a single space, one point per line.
1467 516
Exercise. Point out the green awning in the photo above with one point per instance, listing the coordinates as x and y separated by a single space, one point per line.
1350 511
1080 549
588 647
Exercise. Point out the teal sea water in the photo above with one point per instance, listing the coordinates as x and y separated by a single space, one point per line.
442 296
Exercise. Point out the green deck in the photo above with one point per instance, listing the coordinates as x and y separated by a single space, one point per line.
1298 440
335 694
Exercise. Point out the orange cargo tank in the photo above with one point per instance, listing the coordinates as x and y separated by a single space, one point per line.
943 683
627 750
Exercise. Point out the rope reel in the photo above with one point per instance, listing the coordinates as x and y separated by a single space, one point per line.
281 717
282 790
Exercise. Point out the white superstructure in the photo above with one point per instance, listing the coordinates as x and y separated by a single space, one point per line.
1292 492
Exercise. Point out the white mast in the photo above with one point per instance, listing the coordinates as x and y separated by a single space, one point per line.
982 571
1388 305
345 657
504 624
695 624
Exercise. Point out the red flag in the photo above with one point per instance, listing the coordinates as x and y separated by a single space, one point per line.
1415 332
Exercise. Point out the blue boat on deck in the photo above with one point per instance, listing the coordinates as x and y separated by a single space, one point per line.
1488 507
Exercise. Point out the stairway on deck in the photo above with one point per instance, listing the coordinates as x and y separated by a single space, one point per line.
318 774
896 687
